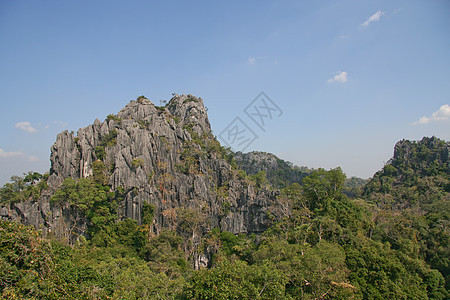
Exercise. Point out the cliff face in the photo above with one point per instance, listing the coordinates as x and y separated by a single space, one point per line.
166 156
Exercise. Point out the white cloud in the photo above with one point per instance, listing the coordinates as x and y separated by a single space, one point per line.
58 124
443 114
251 60
17 154
341 78
26 126
33 158
373 18
4 154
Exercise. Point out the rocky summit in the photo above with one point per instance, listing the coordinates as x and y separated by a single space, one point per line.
165 156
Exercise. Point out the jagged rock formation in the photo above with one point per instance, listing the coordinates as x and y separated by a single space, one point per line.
166 156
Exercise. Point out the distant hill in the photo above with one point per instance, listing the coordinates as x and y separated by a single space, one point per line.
279 173
416 176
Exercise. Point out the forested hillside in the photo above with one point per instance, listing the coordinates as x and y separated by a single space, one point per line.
307 240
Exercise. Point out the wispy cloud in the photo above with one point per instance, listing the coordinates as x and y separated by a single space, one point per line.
33 158
4 154
58 124
16 154
443 114
26 126
373 18
341 78
251 60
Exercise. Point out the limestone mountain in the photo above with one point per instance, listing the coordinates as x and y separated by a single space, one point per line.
163 156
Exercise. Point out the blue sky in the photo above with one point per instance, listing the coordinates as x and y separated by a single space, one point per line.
351 77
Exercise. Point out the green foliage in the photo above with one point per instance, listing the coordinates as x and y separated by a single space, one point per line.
108 140
236 280
143 124
113 117
176 119
141 99
194 151
148 213
100 152
379 272
413 202
24 188
95 201
190 99
327 231
322 187
137 163
99 172
260 179
209 146
34 268
190 221
164 255
353 187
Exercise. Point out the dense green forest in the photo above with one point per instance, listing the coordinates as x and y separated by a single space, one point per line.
389 240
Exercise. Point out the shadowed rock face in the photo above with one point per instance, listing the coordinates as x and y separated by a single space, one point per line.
166 156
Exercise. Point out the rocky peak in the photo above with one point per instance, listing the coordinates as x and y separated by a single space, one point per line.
165 156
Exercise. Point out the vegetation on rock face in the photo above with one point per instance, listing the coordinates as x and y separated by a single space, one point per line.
108 140
141 99
113 117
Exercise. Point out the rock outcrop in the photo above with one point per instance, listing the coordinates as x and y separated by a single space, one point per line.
421 154
166 156
413 177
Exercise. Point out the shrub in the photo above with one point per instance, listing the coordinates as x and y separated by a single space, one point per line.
137 162
113 117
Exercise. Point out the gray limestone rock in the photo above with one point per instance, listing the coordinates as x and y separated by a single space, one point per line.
166 156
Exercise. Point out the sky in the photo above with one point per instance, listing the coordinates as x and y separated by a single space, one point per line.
346 79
